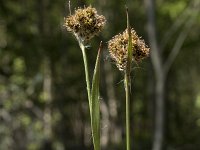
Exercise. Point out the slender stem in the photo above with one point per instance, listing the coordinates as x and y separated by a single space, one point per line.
127 82
93 95
87 78
127 85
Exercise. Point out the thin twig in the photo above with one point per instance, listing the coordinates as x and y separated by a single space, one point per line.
179 42
69 5
178 23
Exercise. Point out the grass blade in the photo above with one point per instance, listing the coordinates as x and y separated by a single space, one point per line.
127 83
130 52
95 105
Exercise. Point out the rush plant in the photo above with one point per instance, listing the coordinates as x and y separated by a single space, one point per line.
85 23
126 48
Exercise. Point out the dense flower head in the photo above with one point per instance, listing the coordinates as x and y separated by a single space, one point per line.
85 23
118 48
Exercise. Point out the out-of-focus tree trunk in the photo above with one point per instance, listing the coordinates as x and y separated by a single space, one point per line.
47 73
113 131
161 68
159 77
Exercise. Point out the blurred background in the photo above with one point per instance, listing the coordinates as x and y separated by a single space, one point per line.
43 98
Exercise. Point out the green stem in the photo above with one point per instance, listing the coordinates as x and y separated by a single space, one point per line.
87 78
93 97
127 85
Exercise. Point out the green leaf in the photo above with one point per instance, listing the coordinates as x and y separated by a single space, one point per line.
130 52
95 106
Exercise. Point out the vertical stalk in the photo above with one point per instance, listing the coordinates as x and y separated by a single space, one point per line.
127 82
93 96
127 86
87 78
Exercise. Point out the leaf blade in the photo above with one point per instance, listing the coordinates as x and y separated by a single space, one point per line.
95 105
130 52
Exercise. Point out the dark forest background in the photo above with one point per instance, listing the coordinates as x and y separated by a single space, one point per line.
43 98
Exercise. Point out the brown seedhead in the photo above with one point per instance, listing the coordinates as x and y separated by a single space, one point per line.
118 48
85 23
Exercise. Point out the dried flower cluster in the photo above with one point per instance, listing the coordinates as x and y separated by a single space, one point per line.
118 48
85 23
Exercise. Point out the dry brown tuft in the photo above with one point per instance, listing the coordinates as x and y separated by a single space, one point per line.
118 48
85 23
